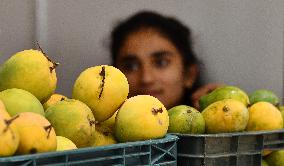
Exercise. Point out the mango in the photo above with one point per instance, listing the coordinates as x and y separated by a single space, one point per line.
19 100
103 139
107 125
3 111
141 117
264 163
36 134
54 98
64 143
30 70
9 136
276 158
185 119
224 92
264 95
225 116
103 88
264 116
72 119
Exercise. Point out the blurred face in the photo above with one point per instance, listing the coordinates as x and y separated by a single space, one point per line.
152 66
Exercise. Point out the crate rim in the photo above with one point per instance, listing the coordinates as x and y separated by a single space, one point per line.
244 133
167 138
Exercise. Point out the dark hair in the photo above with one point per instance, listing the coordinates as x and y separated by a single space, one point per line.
169 27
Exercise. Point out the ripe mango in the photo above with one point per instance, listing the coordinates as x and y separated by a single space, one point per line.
3 111
36 134
141 117
107 125
224 116
9 136
30 70
264 116
103 88
103 138
64 143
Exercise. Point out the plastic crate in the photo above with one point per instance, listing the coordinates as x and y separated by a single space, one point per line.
273 140
227 149
151 152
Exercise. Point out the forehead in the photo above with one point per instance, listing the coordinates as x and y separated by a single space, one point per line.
146 41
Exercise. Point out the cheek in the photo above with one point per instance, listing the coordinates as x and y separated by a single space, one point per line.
172 78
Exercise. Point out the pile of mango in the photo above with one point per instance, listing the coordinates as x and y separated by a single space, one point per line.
230 109
34 118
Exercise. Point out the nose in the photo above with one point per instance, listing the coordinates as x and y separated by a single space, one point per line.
147 75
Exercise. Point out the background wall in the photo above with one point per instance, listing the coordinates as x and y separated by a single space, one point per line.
239 42
17 26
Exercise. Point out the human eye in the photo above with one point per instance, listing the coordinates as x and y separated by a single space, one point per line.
161 62
129 66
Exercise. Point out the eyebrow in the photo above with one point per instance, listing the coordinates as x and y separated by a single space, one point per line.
128 58
156 54
161 53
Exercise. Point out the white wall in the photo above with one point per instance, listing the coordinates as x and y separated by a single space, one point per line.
17 25
240 42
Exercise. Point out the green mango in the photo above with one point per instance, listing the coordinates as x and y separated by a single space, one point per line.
276 158
72 119
263 95
264 163
185 119
19 100
224 92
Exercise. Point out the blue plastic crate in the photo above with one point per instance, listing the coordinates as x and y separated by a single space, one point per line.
151 152
227 149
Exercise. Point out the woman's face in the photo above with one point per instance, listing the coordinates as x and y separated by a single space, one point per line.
152 66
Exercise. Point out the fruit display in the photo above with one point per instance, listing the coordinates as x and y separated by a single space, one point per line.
229 109
230 118
34 118
259 108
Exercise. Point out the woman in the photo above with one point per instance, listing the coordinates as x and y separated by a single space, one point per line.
156 55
